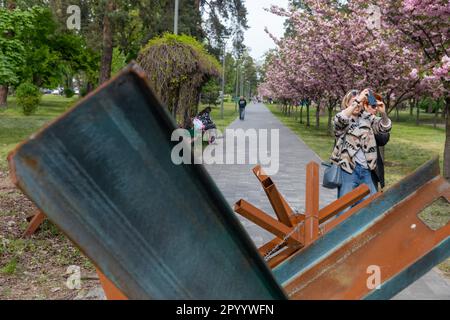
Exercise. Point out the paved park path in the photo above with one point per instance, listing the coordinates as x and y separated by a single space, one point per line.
238 182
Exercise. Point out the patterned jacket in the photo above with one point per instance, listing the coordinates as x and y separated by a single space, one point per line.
359 133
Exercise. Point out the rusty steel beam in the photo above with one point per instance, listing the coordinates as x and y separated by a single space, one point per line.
394 243
266 222
312 203
111 291
345 201
326 213
279 204
264 249
385 233
35 223
315 218
281 257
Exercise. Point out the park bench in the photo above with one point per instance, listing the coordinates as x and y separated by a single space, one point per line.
103 173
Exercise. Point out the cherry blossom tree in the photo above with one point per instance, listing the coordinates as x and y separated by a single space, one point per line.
334 46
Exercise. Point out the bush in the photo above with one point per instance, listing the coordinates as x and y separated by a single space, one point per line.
68 93
432 105
178 66
28 97
83 92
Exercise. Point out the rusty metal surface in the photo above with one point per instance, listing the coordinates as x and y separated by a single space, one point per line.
103 174
34 224
295 230
111 291
386 233
311 227
280 206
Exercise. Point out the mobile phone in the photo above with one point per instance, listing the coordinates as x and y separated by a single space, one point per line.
371 99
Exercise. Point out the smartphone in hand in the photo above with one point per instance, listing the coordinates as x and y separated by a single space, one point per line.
372 100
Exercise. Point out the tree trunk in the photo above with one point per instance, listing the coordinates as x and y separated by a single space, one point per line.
89 87
308 123
447 140
330 119
318 116
417 113
3 96
107 52
436 112
301 114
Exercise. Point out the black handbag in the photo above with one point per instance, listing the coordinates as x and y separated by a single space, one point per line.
332 177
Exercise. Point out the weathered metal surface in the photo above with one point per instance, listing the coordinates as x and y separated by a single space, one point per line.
266 222
111 291
103 173
385 234
34 224
312 204
295 230
280 206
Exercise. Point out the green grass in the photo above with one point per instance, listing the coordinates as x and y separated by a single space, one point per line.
436 215
410 145
15 127
10 267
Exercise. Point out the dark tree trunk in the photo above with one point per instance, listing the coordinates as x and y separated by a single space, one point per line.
107 51
11 5
3 96
330 119
301 114
318 116
89 87
436 112
447 140
417 112
308 122
411 107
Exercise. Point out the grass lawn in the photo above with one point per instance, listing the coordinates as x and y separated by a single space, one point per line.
15 127
410 146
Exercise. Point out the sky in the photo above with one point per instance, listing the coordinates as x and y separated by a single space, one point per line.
255 37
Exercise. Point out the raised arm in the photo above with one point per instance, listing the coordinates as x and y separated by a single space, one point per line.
381 124
341 123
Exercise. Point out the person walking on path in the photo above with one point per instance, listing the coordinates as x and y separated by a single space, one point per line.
242 104
356 147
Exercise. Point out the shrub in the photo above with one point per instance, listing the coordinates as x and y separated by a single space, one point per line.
28 97
68 92
178 66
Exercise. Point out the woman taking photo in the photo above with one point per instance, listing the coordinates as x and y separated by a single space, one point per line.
356 147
